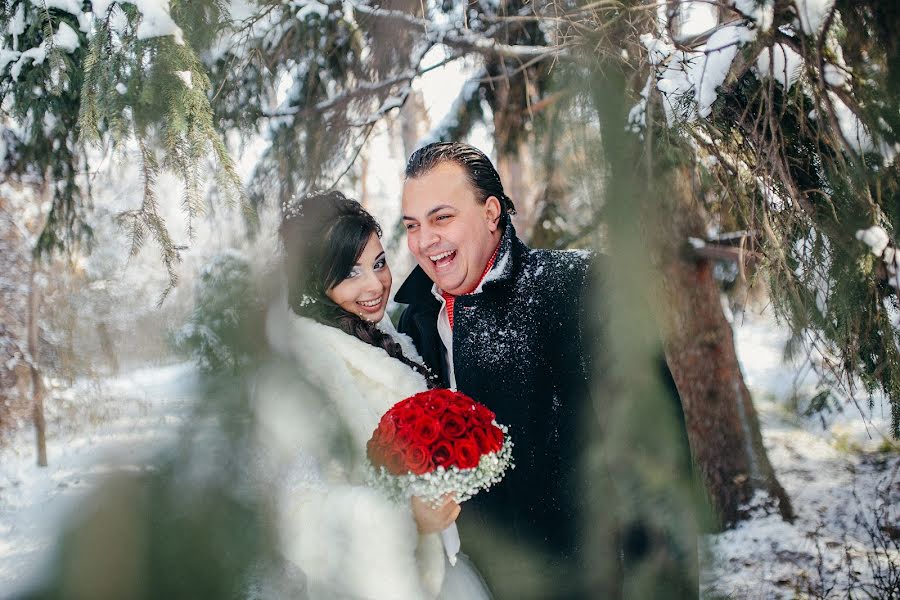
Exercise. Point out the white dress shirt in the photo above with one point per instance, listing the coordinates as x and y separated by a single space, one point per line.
444 329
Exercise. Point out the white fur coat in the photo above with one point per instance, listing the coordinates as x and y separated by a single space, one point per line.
349 540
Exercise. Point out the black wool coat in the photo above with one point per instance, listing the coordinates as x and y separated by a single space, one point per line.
519 348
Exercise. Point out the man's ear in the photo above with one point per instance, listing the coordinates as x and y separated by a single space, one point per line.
492 212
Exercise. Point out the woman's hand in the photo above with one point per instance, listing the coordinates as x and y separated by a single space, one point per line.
433 520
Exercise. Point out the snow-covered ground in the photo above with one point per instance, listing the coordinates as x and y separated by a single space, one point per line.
133 416
830 466
830 469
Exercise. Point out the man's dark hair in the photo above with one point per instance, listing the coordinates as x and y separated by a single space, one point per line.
482 174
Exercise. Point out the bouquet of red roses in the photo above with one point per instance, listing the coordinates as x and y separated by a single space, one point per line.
438 442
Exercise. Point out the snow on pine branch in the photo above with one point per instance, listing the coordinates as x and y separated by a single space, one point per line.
689 80
450 121
692 60
455 37
155 22
879 242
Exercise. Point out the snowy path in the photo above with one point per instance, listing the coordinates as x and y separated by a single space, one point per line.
142 413
830 474
139 413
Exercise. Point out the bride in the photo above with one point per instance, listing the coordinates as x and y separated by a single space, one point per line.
347 539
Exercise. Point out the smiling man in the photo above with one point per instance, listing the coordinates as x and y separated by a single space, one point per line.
502 323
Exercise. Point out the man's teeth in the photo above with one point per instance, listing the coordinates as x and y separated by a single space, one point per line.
371 303
441 255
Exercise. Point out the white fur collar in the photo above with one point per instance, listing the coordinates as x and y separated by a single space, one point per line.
362 380
373 362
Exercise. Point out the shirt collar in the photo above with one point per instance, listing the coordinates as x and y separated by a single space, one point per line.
439 293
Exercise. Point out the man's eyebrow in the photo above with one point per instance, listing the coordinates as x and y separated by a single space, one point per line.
430 212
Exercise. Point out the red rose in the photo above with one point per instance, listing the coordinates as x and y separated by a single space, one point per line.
459 405
418 401
484 414
386 432
373 451
453 425
436 405
396 462
407 416
417 459
497 436
442 454
426 430
404 436
483 440
467 454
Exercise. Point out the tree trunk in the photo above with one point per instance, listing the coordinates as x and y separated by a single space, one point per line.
108 347
722 424
67 358
37 386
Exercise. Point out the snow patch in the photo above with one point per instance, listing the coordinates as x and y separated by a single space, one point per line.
857 135
812 14
70 6
36 55
16 26
689 81
66 38
761 12
156 21
782 63
310 7
875 237
187 77
7 56
835 76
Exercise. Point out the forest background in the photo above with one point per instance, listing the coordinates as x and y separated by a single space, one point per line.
740 147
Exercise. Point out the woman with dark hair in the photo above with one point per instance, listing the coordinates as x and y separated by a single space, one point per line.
337 270
347 539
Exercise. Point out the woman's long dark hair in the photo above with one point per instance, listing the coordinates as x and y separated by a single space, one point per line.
323 235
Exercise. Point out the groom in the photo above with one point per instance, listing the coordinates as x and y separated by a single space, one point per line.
502 323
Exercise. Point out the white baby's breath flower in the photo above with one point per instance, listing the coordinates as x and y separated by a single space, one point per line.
432 487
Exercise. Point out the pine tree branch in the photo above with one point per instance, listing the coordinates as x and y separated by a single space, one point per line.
466 40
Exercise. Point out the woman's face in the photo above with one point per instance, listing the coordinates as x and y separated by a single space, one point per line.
365 290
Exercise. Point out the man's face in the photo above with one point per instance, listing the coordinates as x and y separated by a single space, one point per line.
450 233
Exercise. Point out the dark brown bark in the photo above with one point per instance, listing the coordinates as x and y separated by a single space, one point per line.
722 424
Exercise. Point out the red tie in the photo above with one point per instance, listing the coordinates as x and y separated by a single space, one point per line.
450 299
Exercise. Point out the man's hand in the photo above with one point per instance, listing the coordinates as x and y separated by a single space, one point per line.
433 520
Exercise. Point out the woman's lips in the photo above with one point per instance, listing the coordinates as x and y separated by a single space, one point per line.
370 305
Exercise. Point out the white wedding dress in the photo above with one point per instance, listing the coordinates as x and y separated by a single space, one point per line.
462 580
347 539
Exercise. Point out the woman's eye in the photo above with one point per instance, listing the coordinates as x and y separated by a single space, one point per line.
353 273
380 264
